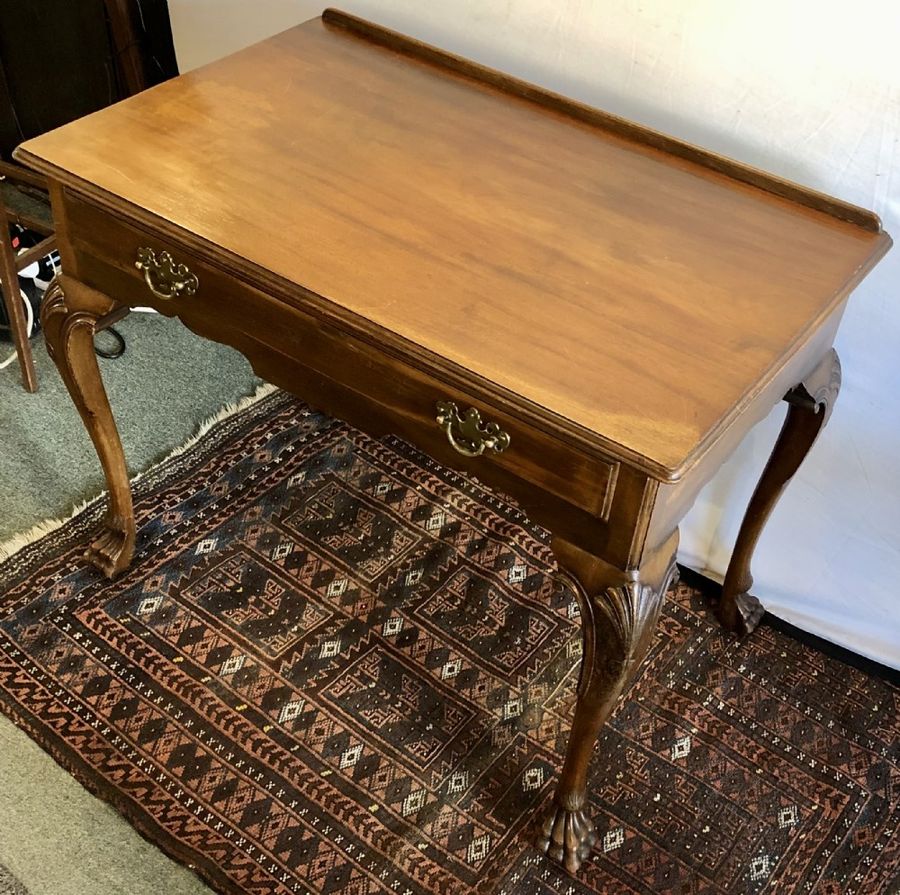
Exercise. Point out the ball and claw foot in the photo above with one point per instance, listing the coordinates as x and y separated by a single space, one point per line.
743 617
567 837
112 549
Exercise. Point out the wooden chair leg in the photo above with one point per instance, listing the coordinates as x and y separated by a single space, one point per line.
809 407
9 286
69 315
619 610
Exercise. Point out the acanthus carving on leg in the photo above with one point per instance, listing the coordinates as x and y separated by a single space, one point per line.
809 406
53 313
617 624
69 315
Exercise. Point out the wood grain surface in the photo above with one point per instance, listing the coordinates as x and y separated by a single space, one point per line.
639 295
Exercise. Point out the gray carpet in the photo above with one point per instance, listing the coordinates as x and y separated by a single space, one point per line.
55 837
166 383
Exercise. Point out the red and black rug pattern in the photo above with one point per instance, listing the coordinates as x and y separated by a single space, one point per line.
336 667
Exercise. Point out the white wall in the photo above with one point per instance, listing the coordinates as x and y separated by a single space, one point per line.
808 89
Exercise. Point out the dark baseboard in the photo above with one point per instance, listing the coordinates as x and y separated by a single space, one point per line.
713 589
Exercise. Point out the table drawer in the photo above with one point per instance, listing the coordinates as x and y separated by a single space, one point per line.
451 421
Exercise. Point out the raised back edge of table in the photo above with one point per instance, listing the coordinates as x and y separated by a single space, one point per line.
738 171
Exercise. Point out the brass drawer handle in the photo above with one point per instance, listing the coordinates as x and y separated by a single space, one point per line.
166 279
467 434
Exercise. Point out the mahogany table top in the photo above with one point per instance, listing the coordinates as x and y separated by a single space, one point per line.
635 287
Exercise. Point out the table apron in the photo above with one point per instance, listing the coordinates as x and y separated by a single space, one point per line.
597 503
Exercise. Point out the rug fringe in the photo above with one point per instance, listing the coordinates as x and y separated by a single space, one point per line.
229 410
14 544
17 542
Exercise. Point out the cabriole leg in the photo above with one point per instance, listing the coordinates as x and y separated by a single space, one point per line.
618 615
69 315
809 406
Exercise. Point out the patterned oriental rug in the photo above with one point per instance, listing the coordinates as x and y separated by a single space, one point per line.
9 885
336 667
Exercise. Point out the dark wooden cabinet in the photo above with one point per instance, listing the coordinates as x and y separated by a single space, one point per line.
61 60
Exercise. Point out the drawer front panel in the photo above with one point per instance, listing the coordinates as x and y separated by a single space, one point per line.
136 267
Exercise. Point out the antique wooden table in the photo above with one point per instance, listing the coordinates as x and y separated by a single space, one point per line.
586 314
